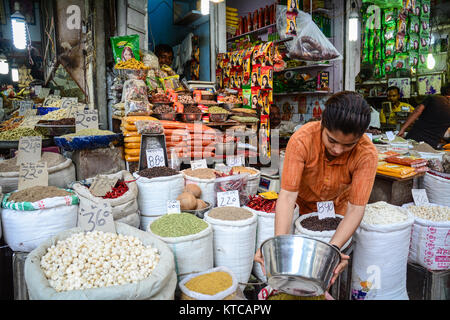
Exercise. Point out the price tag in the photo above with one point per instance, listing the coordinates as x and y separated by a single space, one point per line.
24 106
95 216
370 136
420 197
390 135
155 158
325 210
44 93
235 161
37 90
199 164
87 119
50 100
102 185
32 175
30 150
68 102
30 122
228 199
173 207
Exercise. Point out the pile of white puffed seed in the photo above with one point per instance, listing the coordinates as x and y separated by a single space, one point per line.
432 213
97 259
383 213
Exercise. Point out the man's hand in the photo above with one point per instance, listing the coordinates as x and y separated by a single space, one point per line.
340 268
401 133
259 258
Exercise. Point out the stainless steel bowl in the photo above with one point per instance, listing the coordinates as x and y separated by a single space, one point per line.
200 213
191 117
299 265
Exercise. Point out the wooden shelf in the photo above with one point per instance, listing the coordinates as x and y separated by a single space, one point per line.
260 30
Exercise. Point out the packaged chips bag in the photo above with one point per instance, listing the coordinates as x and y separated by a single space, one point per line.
425 9
401 62
413 42
125 48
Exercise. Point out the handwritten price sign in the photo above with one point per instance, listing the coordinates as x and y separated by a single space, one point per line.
30 149
390 135
199 164
87 119
68 102
326 210
235 161
228 199
24 107
32 175
420 197
173 207
155 158
95 216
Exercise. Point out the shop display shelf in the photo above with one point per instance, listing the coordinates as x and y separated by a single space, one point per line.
302 93
260 30
311 66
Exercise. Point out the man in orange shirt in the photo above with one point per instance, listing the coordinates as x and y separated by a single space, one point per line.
330 160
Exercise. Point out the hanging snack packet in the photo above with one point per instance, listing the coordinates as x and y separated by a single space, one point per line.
425 8
125 48
267 78
256 76
422 59
239 77
401 27
233 78
414 25
255 98
424 28
291 27
255 58
226 82
389 50
415 8
413 42
246 97
292 6
424 43
390 16
401 62
400 44
413 59
390 32
388 65
219 78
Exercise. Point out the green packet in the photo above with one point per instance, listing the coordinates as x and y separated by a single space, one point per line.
125 48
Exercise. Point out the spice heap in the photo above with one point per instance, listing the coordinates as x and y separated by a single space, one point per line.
89 132
57 114
201 173
97 259
16 134
218 110
230 214
435 214
52 159
163 108
160 98
157 172
185 99
62 122
177 225
240 170
383 213
11 124
37 193
315 224
191 109
119 190
258 203
210 283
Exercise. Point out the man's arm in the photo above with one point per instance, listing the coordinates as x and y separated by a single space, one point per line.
411 119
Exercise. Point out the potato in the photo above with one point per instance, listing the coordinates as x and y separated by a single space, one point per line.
194 189
187 201
201 204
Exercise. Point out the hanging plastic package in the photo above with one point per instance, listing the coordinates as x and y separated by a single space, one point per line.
125 48
384 4
310 43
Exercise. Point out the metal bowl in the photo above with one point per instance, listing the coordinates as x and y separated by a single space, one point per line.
200 213
165 116
218 117
299 265
191 117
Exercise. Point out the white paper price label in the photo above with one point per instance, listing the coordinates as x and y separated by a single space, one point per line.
199 164
95 216
68 102
173 207
32 175
30 150
24 106
155 158
420 197
87 119
44 92
325 210
235 161
30 122
37 90
228 199
50 100
390 135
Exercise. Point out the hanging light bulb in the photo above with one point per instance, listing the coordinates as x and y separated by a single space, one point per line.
430 61
18 24
204 7
15 74
4 66
353 23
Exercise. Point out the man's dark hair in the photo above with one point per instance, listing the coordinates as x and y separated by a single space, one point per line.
445 90
347 112
394 88
160 48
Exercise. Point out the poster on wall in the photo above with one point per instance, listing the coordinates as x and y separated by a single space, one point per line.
427 85
404 84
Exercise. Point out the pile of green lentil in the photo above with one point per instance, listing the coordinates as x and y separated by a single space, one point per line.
177 225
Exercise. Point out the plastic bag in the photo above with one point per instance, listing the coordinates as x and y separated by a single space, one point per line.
384 4
135 90
310 44
236 182
125 48
149 127
136 108
150 60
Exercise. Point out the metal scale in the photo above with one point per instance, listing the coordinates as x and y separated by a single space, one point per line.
270 180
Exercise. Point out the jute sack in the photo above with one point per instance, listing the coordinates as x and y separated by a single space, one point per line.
160 285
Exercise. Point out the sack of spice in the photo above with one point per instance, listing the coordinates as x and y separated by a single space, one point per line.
61 171
156 186
191 241
160 285
214 284
33 215
310 225
205 179
234 232
122 198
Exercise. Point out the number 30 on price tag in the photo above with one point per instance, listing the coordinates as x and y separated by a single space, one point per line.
228 199
95 216
420 197
326 210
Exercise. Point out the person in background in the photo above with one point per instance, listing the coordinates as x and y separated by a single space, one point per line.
329 160
430 120
393 96
164 53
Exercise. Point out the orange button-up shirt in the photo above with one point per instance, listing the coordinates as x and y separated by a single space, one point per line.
347 178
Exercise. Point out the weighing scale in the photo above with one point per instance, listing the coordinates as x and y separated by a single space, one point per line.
202 85
270 180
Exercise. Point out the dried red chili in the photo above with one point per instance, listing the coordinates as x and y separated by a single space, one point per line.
119 190
258 203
